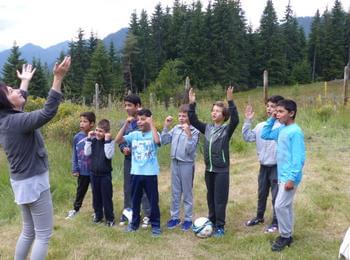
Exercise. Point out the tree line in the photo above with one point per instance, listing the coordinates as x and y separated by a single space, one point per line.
212 45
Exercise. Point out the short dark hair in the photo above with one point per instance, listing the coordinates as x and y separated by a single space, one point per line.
225 111
90 116
133 98
104 124
184 108
4 102
289 105
274 99
144 112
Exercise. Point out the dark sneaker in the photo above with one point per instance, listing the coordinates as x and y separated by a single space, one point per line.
186 225
110 223
254 221
123 220
219 232
130 229
173 223
271 229
280 243
156 231
97 220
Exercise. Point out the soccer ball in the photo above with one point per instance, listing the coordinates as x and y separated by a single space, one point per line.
202 227
128 214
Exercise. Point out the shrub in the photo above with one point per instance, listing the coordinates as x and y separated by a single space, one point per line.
324 112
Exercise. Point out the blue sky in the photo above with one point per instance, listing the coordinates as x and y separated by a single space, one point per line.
47 22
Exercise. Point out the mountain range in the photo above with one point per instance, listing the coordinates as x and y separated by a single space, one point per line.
50 54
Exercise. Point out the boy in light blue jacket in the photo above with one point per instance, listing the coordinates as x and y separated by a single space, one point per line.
290 162
184 139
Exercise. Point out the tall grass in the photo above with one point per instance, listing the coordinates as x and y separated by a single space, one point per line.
322 202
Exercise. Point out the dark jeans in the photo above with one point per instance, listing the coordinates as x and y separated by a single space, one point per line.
82 187
102 193
267 180
149 185
217 196
127 191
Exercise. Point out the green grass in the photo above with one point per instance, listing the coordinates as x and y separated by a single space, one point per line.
321 206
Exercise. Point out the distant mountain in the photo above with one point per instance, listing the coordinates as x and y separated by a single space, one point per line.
50 54
305 22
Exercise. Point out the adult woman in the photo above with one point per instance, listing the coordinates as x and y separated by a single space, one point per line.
21 139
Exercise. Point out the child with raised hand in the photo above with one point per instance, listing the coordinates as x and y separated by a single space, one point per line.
290 162
184 139
144 167
266 151
99 146
216 155
81 164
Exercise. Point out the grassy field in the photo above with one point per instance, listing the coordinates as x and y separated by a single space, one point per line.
321 206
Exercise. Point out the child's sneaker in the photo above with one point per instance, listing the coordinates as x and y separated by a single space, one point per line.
145 222
272 228
123 220
186 225
254 221
156 231
110 223
71 214
219 232
129 229
97 220
173 223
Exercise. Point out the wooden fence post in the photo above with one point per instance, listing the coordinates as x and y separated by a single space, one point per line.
96 97
266 84
345 88
109 101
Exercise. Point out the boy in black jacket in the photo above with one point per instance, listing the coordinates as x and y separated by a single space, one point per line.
100 147
216 155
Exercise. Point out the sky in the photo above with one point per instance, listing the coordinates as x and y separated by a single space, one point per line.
46 22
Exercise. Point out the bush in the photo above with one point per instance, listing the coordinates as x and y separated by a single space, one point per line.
63 129
324 113
34 103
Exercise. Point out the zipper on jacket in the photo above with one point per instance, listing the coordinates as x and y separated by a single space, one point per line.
223 156
210 160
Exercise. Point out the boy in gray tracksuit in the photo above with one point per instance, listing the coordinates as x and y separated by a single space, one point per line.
266 150
184 139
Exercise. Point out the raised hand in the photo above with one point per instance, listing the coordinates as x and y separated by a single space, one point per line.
191 96
60 70
168 121
126 151
27 72
108 136
186 129
249 113
91 134
229 93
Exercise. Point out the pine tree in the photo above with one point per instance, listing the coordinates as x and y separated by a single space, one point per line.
130 53
13 63
99 72
39 85
292 45
314 46
116 71
158 37
270 54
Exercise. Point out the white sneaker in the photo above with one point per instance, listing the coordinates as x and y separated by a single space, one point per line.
71 214
145 222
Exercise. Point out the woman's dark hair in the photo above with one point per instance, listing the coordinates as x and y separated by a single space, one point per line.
225 110
134 99
144 112
289 105
4 102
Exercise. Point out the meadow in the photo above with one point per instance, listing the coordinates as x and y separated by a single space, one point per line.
321 206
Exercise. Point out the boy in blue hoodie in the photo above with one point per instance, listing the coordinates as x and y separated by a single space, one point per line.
290 162
80 162
184 139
